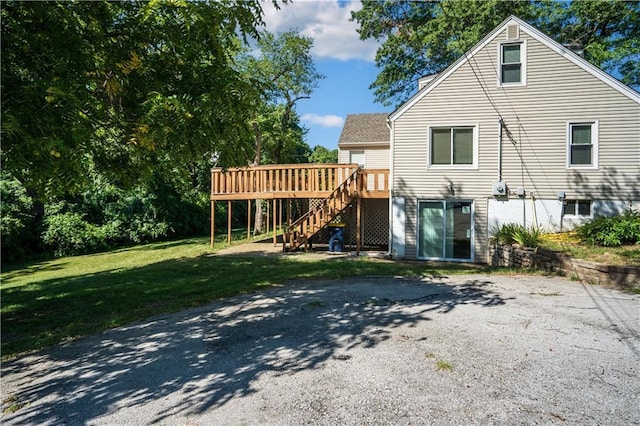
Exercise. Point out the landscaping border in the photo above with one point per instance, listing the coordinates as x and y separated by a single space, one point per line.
515 256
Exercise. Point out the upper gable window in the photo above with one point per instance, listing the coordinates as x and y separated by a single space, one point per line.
512 63
582 144
453 146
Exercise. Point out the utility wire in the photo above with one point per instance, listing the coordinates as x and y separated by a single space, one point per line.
480 82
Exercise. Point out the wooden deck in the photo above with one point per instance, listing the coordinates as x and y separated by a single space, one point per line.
287 181
336 185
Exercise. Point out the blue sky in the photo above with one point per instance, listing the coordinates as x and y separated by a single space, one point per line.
346 61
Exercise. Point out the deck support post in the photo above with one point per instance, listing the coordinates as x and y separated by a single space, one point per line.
358 224
248 220
294 183
213 221
273 214
229 222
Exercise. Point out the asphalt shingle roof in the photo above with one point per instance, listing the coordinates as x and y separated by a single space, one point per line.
365 128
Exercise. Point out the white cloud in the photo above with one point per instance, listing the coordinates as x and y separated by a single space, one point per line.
327 23
323 120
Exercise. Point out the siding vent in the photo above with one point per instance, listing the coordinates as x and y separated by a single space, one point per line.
513 32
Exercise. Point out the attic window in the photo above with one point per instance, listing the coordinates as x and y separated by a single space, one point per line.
512 63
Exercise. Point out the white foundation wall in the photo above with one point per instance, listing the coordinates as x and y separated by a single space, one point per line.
547 214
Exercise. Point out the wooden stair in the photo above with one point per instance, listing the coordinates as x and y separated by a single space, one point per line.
299 233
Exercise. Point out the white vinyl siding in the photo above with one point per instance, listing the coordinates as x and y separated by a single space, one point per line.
375 158
534 152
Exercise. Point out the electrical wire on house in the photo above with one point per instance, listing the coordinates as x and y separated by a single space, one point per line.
524 169
480 82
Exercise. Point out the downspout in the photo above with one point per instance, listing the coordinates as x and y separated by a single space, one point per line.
501 125
390 183
535 215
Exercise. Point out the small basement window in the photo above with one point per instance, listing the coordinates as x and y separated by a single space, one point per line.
577 208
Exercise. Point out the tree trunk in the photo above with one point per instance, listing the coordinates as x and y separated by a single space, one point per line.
257 225
37 207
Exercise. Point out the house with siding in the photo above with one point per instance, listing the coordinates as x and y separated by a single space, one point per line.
364 141
519 129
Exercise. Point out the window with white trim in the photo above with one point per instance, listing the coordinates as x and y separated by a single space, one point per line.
356 157
452 146
582 144
577 207
512 63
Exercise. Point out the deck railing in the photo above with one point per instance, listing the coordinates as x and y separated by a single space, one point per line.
374 183
293 181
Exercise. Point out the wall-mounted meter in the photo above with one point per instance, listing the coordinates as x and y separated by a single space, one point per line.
500 189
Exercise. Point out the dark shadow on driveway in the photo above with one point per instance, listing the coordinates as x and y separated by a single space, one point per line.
202 358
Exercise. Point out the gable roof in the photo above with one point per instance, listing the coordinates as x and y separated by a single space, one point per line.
365 129
534 33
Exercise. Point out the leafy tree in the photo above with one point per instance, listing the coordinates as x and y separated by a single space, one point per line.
320 154
283 71
18 228
120 84
421 38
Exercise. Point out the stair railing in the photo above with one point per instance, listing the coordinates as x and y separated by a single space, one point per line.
309 224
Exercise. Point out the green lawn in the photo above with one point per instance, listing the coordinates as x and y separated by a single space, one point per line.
569 243
49 302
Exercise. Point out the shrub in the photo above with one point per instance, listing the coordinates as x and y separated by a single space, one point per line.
504 233
69 234
511 233
528 237
614 231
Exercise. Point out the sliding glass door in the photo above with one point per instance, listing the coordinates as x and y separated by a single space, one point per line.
445 230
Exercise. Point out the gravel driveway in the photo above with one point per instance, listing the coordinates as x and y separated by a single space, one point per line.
440 350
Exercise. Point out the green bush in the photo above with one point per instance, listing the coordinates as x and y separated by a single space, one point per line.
614 231
69 234
504 233
528 237
102 217
511 233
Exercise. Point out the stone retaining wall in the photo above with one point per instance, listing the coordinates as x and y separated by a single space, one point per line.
515 256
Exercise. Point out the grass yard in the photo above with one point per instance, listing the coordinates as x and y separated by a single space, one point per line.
50 302
569 243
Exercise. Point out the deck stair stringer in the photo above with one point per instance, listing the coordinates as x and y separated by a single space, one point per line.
300 232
